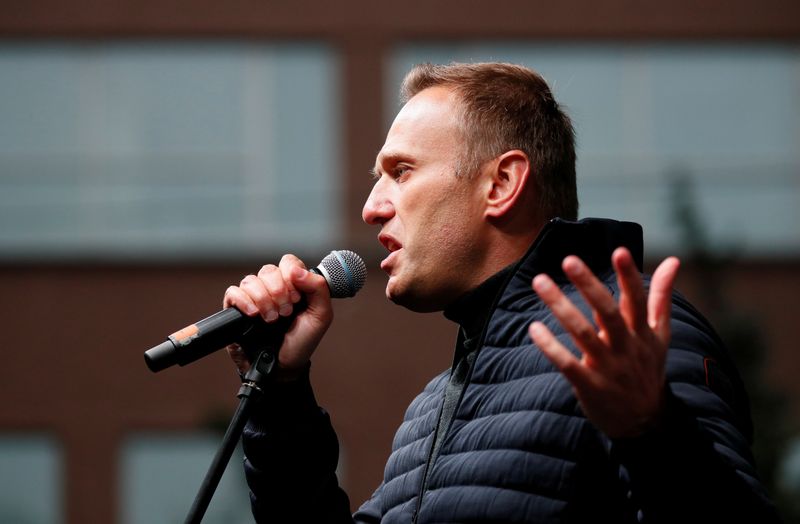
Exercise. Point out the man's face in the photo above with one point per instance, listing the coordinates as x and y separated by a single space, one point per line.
430 219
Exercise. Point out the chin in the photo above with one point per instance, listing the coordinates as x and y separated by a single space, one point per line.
418 301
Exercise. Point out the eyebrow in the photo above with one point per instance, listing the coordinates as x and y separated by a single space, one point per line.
389 158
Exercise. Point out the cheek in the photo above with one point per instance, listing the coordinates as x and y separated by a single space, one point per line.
447 237
438 222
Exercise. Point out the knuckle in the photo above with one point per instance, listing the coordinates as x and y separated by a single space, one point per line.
584 333
290 259
276 286
558 305
230 295
267 269
569 366
248 279
612 310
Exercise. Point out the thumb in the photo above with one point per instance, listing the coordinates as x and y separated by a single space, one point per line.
313 286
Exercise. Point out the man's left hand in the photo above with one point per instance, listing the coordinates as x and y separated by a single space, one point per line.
619 379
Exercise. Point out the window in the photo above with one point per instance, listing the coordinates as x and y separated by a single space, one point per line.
30 479
161 474
167 150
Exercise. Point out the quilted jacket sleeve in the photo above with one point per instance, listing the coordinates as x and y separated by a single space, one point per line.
369 512
697 467
291 452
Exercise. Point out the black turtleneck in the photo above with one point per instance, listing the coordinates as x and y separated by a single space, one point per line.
470 312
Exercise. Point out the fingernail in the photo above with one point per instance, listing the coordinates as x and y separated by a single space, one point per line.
272 315
286 310
537 330
295 296
250 309
541 283
572 266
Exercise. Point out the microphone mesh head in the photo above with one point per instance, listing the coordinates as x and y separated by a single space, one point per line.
345 272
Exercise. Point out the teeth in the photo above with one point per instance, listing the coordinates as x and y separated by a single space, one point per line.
391 246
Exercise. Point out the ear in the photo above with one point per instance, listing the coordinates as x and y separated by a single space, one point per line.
507 182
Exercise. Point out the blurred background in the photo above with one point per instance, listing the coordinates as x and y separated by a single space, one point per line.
153 153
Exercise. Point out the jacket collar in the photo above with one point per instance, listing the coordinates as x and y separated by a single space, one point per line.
591 239
473 308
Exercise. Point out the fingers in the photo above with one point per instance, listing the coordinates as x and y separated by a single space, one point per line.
312 285
578 375
582 331
637 312
606 309
619 379
273 292
633 301
659 301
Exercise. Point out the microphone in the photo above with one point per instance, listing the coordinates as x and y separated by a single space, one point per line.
345 273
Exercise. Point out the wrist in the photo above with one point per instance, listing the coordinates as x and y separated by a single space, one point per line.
651 423
285 375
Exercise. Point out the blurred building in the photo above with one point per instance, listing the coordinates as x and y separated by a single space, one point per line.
151 154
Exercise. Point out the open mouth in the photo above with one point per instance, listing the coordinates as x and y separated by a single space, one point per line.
393 246
389 243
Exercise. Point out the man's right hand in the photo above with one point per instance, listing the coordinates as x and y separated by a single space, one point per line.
272 293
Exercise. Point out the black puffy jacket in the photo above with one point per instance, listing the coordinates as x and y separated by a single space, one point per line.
519 449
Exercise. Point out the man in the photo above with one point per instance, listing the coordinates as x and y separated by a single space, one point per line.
545 416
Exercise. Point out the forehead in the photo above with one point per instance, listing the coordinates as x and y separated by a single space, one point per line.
426 127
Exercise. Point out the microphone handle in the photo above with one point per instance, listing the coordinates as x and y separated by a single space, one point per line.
217 331
198 340
224 327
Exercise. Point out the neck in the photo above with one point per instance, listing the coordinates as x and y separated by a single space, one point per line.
471 310
506 247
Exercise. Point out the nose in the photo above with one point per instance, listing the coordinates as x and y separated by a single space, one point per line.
378 208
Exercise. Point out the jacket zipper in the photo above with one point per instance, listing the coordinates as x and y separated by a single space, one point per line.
424 483
433 451
481 338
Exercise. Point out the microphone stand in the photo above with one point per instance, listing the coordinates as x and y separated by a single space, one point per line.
249 394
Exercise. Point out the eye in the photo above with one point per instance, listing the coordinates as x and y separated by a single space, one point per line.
401 172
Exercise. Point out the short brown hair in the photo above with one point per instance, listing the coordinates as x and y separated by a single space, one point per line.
505 107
